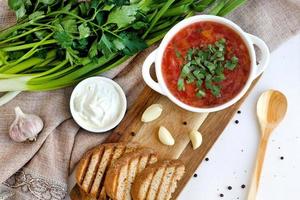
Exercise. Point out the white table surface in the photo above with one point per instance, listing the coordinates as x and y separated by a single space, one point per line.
232 157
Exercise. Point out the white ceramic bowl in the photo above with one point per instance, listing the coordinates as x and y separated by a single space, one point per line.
157 55
123 104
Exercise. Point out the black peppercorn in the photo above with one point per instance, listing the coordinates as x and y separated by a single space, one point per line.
243 186
195 175
206 159
229 188
221 195
281 158
236 121
184 123
239 112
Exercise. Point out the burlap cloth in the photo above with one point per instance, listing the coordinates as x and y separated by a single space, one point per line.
40 170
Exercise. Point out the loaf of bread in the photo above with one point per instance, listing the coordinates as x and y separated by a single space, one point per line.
92 168
122 173
158 181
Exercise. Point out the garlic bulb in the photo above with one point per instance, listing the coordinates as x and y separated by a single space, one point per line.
25 127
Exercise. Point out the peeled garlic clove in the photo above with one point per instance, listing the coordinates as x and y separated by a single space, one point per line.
196 139
25 127
165 136
152 113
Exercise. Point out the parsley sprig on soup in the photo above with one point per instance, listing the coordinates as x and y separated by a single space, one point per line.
206 64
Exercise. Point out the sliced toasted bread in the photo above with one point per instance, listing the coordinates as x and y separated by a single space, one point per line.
121 174
84 196
157 181
92 167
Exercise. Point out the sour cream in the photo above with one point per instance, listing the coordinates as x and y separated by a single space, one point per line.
98 104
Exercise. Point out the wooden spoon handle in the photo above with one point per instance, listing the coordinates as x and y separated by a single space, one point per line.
258 168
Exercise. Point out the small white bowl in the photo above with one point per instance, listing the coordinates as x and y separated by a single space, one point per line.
122 110
157 55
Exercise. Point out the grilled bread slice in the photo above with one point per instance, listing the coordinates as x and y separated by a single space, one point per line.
91 170
84 196
122 173
158 181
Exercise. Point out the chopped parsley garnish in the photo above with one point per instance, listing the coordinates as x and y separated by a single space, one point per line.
205 67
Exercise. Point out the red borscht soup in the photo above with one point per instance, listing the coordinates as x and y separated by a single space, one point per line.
206 64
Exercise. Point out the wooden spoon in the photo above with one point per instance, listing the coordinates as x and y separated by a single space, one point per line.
271 109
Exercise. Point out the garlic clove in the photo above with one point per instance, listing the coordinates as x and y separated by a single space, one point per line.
25 126
196 139
165 136
152 113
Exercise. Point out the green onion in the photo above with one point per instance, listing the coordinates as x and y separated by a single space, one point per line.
230 6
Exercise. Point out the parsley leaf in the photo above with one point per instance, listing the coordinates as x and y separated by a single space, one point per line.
105 45
197 73
219 78
118 43
67 8
41 34
47 2
84 8
95 3
216 90
139 25
185 70
35 15
177 53
20 13
100 18
69 25
80 44
200 93
15 4
117 2
123 16
180 84
64 39
93 50
231 64
199 83
132 43
190 78
84 31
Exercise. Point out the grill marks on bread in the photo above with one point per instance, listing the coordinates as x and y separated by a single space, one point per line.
158 181
123 172
92 167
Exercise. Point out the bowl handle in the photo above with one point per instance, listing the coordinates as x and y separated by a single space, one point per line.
146 72
263 63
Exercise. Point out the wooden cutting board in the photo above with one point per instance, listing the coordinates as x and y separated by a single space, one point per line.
179 122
